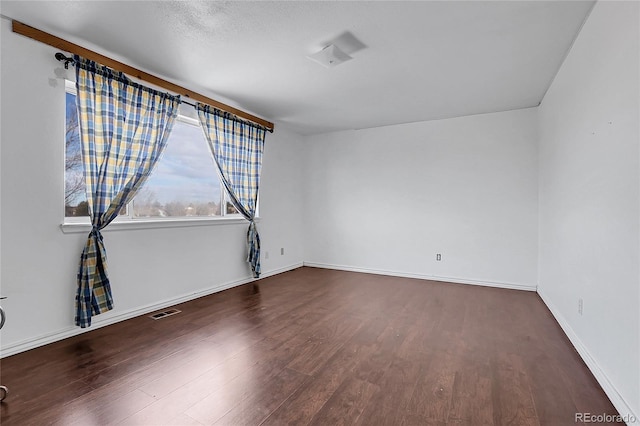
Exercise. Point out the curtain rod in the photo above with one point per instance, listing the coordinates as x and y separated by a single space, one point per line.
67 46
61 57
70 60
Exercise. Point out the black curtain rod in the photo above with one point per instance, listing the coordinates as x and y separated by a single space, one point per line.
70 60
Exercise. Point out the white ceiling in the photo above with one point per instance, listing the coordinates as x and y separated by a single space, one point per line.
423 60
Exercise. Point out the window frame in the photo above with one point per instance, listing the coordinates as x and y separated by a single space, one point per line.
78 224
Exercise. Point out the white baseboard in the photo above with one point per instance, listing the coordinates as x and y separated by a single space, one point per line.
106 319
616 399
281 270
455 280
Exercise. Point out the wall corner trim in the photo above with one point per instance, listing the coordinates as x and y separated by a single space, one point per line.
609 388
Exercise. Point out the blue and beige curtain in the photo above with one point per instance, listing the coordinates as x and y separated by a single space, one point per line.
124 128
237 148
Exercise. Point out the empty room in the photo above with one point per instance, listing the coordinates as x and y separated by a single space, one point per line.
320 212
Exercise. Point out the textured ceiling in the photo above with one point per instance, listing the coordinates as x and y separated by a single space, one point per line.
413 61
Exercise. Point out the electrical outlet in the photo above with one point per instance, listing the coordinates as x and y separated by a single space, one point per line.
580 304
266 255
281 251
438 257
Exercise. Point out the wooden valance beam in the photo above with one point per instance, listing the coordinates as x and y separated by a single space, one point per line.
67 46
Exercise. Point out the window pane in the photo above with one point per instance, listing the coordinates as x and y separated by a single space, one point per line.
185 181
75 198
231 209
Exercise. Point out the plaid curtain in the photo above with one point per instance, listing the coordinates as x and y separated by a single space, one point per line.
124 128
237 148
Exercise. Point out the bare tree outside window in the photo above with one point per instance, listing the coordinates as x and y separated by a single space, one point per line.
75 198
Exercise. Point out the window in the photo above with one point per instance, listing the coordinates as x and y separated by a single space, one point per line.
184 184
75 199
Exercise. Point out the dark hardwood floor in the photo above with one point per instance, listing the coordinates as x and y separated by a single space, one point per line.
320 347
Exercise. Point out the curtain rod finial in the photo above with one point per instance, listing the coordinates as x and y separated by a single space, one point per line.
61 57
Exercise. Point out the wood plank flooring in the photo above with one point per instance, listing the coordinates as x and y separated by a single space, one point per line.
318 347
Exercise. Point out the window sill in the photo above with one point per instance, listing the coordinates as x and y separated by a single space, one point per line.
74 228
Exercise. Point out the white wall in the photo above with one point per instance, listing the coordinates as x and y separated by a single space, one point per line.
388 199
148 267
589 198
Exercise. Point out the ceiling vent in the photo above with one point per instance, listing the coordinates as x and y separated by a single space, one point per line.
330 56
